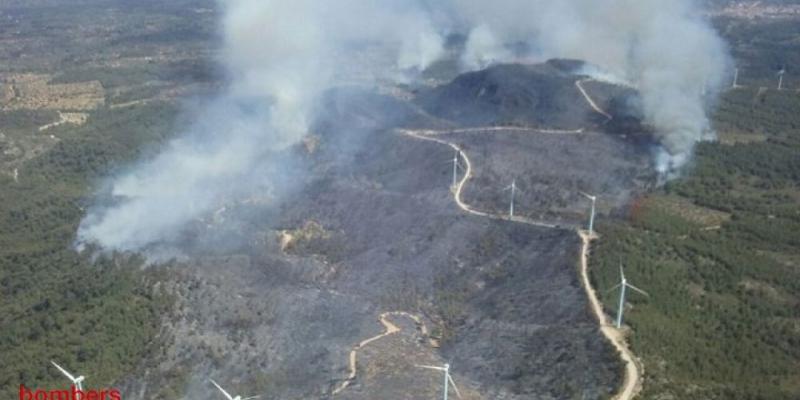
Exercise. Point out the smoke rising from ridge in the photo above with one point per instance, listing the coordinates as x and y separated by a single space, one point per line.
664 48
282 56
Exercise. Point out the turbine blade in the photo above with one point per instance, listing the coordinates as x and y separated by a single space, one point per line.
63 371
221 390
586 195
637 289
251 397
430 367
614 288
452 382
621 272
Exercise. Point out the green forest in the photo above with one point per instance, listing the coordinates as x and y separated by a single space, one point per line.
719 253
95 317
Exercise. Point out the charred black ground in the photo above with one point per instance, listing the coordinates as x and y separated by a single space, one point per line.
376 229
529 95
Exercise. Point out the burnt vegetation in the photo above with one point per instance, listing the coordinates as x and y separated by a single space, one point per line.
383 232
539 95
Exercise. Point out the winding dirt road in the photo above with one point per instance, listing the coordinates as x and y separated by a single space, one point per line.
633 369
632 383
457 191
389 329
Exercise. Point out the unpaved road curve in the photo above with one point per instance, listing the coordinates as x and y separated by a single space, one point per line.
595 107
633 370
389 329
423 134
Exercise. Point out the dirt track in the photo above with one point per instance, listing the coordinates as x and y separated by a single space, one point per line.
633 375
468 174
66 118
389 329
595 107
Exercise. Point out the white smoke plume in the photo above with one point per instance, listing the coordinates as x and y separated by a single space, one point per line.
663 48
483 49
282 55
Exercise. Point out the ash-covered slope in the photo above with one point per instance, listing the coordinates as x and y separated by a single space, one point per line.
542 95
504 295
376 229
551 170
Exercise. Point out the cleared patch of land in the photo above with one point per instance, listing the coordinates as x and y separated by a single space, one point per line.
35 92
77 119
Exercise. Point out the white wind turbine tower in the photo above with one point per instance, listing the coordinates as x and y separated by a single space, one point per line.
514 189
622 285
229 396
780 78
448 380
456 166
75 381
594 208
736 79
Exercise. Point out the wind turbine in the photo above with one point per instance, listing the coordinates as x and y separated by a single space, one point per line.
736 79
780 78
456 166
594 205
229 396
75 381
622 285
448 380
513 188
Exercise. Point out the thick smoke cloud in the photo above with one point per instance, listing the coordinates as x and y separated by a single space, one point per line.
663 48
282 55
